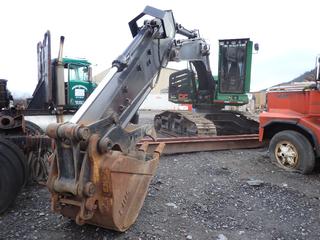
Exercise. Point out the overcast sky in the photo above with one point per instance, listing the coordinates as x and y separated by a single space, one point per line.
287 32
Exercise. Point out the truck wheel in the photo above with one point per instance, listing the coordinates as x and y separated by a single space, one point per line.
12 173
292 151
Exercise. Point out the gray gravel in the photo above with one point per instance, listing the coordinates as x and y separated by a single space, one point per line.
194 196
204 195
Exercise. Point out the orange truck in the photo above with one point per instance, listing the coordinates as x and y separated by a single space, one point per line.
291 124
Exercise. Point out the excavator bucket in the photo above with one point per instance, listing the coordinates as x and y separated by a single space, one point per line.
109 188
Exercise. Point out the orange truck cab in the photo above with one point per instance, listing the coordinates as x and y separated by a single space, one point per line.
291 123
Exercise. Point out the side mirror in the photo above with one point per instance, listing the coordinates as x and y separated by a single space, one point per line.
256 47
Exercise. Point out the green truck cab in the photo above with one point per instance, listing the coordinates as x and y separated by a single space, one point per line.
78 82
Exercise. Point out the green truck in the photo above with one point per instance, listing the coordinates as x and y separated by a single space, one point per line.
63 83
63 86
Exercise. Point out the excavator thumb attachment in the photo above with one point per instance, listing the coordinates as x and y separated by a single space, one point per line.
104 189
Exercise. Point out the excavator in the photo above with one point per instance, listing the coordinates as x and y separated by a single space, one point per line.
98 174
208 98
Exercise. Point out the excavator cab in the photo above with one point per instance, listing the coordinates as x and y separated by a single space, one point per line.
234 71
232 66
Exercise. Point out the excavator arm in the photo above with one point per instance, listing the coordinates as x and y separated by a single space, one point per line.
98 175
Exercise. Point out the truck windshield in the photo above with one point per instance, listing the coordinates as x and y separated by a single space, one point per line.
77 73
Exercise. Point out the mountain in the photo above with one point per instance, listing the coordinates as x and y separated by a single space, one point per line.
305 77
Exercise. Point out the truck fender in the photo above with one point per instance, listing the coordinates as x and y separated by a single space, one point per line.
295 126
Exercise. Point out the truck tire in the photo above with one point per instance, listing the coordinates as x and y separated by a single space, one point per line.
13 173
292 151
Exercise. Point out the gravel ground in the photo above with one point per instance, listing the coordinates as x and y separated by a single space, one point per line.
221 195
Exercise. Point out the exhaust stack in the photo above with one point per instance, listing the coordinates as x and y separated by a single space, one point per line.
60 87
